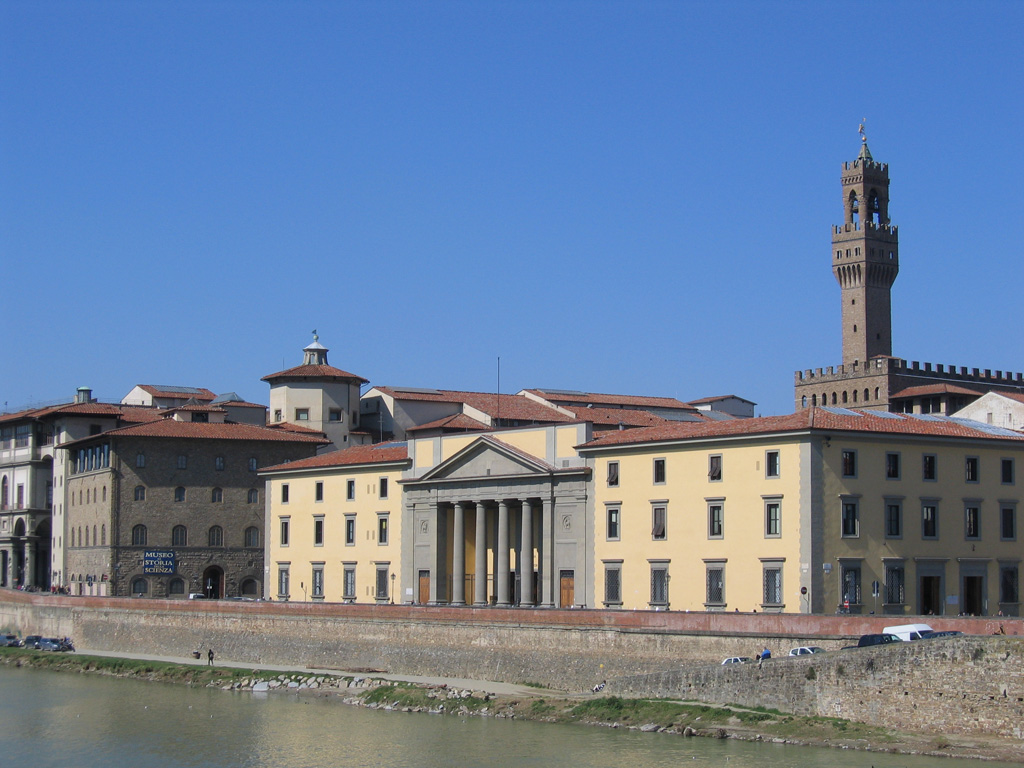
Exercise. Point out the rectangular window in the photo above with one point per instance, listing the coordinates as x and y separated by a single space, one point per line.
929 521
1009 584
659 585
972 522
851 583
659 471
334 414
253 464
302 414
715 468
282 581
772 518
893 519
1008 524
1006 471
318 582
613 584
851 519
182 462
319 491
140 460
849 463
318 531
612 531
715 521
382 529
772 582
382 489
285 530
382 583
771 464
350 490
715 586
659 522
929 467
613 474
218 463
895 585
971 469
284 493
349 590
892 466
350 530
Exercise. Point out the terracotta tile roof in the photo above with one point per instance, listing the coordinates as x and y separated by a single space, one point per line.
1018 396
169 428
935 389
164 390
457 421
630 417
287 426
196 407
314 372
27 413
357 454
802 421
240 404
139 415
705 400
561 397
515 407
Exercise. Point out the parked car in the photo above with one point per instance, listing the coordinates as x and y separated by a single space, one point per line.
50 644
908 632
9 641
932 635
738 660
31 641
196 596
883 638
805 650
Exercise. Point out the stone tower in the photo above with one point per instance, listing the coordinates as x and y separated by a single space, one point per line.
865 259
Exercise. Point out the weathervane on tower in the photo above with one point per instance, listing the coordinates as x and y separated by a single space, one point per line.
862 132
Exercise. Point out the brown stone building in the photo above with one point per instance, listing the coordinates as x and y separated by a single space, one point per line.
173 507
865 262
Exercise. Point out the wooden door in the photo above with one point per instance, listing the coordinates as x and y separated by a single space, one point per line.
424 597
566 589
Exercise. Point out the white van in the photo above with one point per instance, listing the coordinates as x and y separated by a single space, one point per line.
908 632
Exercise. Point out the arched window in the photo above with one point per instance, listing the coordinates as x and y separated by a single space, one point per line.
866 394
254 496
874 210
176 587
140 586
250 588
103 534
803 401
140 493
876 393
95 540
179 536
834 400
72 537
4 493
216 537
87 535
844 397
179 494
252 536
217 495
854 208
855 395
139 536
814 399
104 493
79 535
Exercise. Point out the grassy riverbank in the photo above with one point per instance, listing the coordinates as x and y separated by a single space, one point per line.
685 719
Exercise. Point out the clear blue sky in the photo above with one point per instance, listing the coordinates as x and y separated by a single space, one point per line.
620 197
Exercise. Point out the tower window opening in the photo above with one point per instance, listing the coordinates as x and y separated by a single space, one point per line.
854 328
874 212
854 209
866 394
844 398
834 399
855 395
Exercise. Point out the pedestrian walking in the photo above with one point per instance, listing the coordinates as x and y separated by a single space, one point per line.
209 657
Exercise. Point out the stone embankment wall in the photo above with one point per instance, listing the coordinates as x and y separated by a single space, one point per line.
963 685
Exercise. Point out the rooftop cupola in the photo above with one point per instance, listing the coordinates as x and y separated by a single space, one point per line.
315 353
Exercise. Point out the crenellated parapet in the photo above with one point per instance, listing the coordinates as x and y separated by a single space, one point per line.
881 366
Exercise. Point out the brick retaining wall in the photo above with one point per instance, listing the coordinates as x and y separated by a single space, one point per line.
963 685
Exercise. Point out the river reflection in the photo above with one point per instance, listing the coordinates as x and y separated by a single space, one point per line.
86 721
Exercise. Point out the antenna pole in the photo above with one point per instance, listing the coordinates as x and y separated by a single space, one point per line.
499 393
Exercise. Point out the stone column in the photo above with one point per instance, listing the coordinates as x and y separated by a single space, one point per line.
547 548
503 554
459 556
30 562
480 580
526 556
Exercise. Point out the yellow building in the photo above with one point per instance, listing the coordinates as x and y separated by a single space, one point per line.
334 526
812 512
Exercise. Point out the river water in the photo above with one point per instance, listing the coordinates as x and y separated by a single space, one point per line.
85 721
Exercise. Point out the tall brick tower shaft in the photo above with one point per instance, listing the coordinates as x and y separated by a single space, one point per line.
865 259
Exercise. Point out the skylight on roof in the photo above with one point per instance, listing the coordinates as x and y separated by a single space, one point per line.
840 411
683 416
989 429
417 390
924 417
887 415
179 390
563 392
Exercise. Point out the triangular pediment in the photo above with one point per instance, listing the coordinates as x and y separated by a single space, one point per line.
488 457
